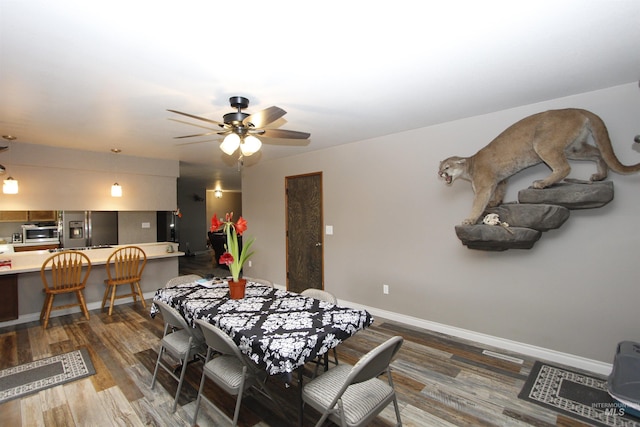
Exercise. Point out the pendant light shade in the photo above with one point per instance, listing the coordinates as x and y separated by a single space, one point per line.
116 190
230 143
10 186
250 145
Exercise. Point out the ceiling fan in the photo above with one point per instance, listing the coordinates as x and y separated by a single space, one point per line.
241 129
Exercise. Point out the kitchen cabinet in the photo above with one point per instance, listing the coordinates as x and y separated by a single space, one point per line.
43 247
43 215
26 216
9 300
14 216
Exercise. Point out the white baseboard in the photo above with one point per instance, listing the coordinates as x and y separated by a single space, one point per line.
540 353
35 317
515 346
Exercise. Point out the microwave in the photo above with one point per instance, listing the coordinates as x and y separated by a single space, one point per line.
39 234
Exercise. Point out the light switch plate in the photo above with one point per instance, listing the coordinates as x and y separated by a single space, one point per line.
329 230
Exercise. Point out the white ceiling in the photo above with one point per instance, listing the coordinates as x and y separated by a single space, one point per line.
97 75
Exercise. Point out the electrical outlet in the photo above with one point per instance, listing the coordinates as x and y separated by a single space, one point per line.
250 263
385 289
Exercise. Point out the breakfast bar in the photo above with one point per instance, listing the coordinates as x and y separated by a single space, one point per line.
24 276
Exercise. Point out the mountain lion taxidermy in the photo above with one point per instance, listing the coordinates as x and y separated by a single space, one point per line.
552 137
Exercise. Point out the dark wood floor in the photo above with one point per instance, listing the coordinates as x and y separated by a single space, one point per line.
441 381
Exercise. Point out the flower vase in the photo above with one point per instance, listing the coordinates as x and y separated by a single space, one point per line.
236 289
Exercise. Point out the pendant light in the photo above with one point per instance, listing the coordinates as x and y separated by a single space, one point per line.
10 185
116 189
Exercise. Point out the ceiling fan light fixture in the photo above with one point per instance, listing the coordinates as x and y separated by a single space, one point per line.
230 143
250 145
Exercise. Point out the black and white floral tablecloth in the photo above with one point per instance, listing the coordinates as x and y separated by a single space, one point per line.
279 330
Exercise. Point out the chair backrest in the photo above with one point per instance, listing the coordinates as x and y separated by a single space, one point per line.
66 271
374 362
218 340
171 317
181 280
260 281
320 294
126 263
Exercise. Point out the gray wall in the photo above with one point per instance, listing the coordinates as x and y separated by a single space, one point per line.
575 292
131 230
53 178
191 228
196 214
231 202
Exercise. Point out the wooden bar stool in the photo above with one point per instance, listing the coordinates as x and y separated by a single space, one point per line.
67 276
124 267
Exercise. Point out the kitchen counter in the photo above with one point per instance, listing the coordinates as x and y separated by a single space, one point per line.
24 245
24 278
24 262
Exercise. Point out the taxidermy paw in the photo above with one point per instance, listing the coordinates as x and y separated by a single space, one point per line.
539 184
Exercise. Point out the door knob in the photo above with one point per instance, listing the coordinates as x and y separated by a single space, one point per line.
318 244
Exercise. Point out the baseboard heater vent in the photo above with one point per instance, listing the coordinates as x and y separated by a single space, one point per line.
503 357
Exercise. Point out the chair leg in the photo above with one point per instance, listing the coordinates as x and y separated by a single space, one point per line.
236 413
106 294
395 405
113 298
155 371
184 370
133 292
137 284
47 313
44 306
199 398
83 304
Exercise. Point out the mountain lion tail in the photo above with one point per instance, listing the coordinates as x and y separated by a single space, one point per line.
603 142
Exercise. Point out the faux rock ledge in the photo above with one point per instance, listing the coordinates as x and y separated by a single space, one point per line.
497 238
538 210
572 196
541 217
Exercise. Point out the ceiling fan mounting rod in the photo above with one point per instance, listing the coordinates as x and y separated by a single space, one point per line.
239 102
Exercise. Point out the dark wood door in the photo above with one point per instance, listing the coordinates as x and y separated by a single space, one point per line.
304 232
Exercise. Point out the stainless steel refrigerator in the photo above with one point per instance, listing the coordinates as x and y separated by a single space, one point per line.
89 228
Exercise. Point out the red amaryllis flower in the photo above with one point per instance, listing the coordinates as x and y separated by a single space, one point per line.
226 259
215 223
240 226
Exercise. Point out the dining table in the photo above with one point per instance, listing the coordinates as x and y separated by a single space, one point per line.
277 329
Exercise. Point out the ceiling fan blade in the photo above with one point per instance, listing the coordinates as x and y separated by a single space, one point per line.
264 117
198 134
194 124
197 117
282 133
197 142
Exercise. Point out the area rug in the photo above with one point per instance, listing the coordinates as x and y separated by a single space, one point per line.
44 373
577 395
